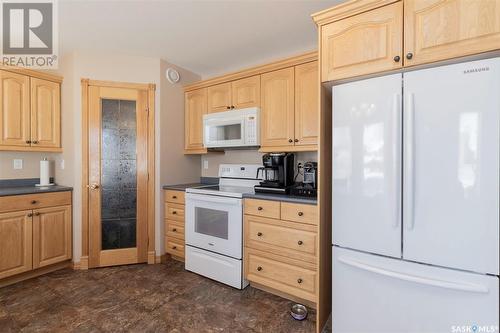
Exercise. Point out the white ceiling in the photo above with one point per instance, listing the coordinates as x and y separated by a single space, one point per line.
204 36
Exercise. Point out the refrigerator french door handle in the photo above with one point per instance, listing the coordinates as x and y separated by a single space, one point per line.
396 128
447 284
409 177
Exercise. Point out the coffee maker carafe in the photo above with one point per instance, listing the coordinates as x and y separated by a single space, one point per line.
277 173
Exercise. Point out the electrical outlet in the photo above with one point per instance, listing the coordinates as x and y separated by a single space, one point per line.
17 164
205 164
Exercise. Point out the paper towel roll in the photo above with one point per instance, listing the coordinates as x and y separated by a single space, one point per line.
44 172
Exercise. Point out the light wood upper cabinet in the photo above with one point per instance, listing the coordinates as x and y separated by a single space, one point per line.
306 104
195 108
246 92
51 235
438 30
15 243
277 108
362 44
14 109
45 113
219 97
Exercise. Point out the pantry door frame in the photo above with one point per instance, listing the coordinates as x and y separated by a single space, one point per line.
86 84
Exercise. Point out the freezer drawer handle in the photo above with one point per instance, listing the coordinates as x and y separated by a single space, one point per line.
460 286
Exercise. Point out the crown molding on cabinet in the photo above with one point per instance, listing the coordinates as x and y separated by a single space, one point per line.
257 70
32 73
347 9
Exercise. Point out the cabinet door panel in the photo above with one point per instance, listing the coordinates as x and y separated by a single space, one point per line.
438 30
246 92
219 97
306 104
45 113
14 109
277 93
362 44
51 235
15 243
196 107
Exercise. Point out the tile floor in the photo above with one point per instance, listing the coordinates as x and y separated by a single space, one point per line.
141 298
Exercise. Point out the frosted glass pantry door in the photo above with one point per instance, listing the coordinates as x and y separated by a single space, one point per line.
367 165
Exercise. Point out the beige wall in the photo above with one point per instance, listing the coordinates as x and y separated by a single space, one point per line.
174 167
247 156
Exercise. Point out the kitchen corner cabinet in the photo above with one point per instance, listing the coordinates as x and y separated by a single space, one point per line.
35 232
438 30
195 109
290 109
362 44
30 112
238 94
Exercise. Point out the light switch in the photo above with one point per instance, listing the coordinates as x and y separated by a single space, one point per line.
205 164
18 164
62 164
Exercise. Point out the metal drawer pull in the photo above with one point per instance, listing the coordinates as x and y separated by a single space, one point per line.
300 242
33 202
299 280
259 268
174 247
37 214
259 234
28 141
300 213
30 214
260 208
174 229
174 212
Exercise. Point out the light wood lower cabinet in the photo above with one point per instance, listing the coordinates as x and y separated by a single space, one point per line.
51 235
35 231
174 223
438 30
280 253
15 243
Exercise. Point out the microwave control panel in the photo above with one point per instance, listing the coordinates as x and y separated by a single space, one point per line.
251 135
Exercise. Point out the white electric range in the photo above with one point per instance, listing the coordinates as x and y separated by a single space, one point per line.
214 225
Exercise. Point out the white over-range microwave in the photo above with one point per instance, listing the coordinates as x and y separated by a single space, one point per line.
235 128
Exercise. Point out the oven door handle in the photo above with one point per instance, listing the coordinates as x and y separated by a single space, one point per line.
213 199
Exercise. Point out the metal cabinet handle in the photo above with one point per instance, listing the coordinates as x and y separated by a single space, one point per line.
228 107
174 229
259 268
290 140
37 214
296 140
34 202
300 213
174 247
409 55
28 141
260 208
35 142
259 234
174 212
397 58
299 280
300 242
30 214
174 197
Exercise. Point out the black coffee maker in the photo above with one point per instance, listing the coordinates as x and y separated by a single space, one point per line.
277 173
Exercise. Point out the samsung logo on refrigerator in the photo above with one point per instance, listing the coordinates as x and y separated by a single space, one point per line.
476 70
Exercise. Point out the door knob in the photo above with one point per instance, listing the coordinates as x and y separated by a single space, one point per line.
93 186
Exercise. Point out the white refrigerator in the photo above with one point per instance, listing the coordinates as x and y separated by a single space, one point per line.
415 220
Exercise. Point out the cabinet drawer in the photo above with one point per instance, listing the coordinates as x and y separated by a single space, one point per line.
33 201
286 277
302 213
174 229
174 247
174 196
282 238
264 208
174 212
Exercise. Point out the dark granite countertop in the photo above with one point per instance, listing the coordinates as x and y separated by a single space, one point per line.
18 190
182 187
282 197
